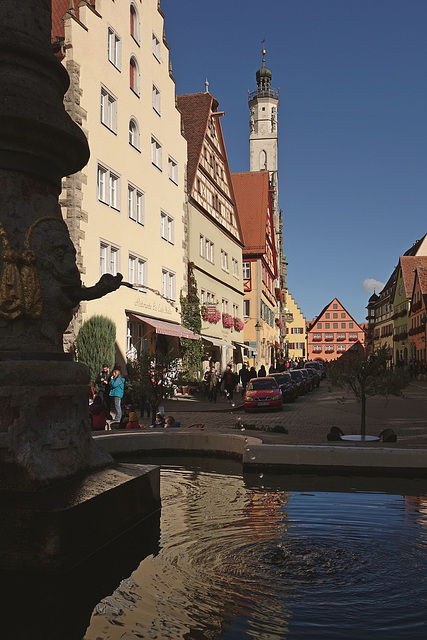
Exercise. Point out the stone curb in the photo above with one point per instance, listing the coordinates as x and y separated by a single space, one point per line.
278 457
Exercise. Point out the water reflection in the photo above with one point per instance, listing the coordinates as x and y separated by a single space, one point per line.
238 559
59 607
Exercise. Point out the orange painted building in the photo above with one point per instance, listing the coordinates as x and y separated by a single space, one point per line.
332 333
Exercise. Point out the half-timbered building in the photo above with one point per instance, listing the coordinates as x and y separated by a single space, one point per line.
253 196
214 234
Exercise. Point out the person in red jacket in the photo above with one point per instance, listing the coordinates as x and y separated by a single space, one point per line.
98 414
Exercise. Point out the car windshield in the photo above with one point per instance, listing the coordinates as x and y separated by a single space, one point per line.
256 385
296 375
283 378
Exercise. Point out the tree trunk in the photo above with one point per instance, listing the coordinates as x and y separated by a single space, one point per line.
363 416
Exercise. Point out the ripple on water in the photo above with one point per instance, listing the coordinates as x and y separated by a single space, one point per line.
241 562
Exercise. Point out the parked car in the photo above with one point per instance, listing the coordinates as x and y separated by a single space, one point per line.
308 379
315 377
262 393
299 379
318 366
287 386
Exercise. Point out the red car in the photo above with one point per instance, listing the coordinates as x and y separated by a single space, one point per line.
262 393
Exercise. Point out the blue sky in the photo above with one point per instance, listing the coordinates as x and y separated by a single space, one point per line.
352 125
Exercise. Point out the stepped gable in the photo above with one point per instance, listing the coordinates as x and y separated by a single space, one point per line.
59 9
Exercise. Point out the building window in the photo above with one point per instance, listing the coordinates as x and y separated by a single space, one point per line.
108 109
341 347
352 336
224 305
317 336
108 187
134 75
134 133
109 258
341 336
326 325
235 310
114 48
235 267
246 308
202 296
172 170
207 249
168 284
327 315
335 315
329 336
224 260
335 306
319 325
156 47
317 347
343 315
134 23
135 204
297 330
137 271
350 325
155 99
167 229
156 153
335 325
246 270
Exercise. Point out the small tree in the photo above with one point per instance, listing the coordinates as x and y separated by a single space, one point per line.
152 376
96 344
191 350
367 376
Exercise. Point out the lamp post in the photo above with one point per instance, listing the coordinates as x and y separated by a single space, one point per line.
258 344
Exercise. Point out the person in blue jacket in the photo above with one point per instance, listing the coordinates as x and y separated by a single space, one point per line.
117 389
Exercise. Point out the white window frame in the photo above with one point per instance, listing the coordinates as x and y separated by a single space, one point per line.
167 227
172 170
136 35
235 266
156 47
224 261
108 186
156 153
114 48
137 270
235 310
224 305
136 88
134 133
246 270
168 284
202 246
109 258
108 109
136 204
156 99
246 308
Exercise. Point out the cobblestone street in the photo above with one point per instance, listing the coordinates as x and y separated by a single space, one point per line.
309 419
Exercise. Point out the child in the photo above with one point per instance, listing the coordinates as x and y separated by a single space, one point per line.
160 421
170 422
98 414
125 417
133 421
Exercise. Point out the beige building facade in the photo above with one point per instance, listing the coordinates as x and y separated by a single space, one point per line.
296 333
126 210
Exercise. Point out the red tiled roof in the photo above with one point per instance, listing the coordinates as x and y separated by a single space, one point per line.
422 277
251 192
195 109
59 8
408 265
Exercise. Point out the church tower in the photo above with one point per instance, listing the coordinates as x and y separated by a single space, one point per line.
263 140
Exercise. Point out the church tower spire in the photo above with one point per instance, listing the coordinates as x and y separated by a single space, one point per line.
263 140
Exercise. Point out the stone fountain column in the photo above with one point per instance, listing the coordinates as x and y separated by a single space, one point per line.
45 437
